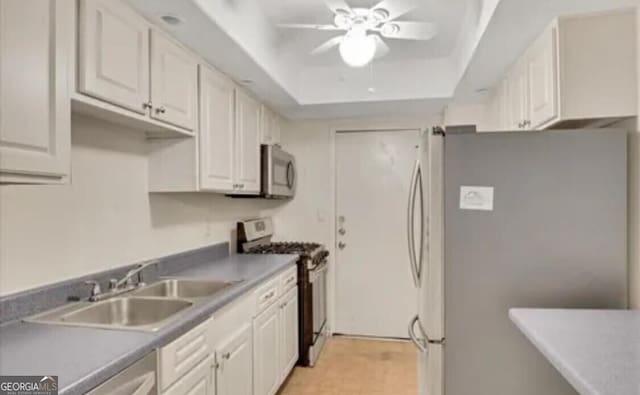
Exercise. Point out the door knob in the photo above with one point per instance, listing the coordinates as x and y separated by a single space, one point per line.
341 245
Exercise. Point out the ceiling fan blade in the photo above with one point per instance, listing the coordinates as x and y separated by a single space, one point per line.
410 30
308 26
396 8
382 49
327 45
338 6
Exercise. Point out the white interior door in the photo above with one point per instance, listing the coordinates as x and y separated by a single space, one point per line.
375 293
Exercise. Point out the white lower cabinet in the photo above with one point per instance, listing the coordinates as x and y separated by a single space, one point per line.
233 370
266 340
275 334
197 381
180 356
288 333
246 348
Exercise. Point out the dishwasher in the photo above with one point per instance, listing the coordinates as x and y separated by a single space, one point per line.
137 379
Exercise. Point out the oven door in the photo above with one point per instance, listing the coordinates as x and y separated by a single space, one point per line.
279 172
318 281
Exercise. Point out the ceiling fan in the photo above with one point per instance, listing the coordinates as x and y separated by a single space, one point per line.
365 28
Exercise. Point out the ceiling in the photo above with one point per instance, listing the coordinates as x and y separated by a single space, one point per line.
447 14
477 41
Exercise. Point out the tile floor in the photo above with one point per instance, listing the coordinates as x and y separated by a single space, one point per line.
350 366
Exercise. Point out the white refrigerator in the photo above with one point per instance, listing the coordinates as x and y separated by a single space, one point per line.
511 219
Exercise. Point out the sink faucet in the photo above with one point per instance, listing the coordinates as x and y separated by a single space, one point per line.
127 281
118 287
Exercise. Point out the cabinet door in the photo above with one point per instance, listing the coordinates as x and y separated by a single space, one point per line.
114 54
266 124
276 129
270 126
247 143
518 97
288 333
35 123
503 121
235 364
266 339
174 79
197 381
543 79
216 131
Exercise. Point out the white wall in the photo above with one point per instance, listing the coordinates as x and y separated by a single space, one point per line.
105 218
311 215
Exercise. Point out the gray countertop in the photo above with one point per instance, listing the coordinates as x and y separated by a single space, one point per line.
597 351
82 358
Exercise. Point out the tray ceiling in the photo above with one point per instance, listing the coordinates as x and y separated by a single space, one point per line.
477 41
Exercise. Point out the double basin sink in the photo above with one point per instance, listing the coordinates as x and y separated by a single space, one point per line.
146 308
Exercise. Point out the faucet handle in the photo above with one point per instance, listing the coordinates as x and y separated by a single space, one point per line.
113 284
95 288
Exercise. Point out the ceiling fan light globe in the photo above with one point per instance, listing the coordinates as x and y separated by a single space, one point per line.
357 49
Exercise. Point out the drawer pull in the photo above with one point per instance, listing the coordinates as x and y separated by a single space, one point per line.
269 295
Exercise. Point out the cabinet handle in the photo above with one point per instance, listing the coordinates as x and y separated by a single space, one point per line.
147 105
269 295
527 123
161 110
226 355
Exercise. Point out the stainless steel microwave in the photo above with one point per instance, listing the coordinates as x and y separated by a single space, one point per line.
279 175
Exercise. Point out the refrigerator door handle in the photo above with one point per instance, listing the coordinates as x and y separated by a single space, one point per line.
421 238
410 218
419 343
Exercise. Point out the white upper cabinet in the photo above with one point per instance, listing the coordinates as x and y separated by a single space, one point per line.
114 54
581 71
234 369
216 148
247 143
271 126
174 82
542 72
34 90
518 97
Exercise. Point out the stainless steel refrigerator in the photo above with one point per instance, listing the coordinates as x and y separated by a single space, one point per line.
515 219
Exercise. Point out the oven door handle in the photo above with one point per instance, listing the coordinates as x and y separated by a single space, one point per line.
318 271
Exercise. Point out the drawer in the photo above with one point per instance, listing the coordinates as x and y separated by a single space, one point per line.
267 294
288 280
180 356
197 381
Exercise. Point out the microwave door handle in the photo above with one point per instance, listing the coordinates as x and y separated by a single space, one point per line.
291 175
410 222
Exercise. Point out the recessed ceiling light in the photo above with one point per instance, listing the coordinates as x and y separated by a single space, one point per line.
172 20
482 90
246 82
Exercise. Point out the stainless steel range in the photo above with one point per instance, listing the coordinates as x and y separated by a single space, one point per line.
254 237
